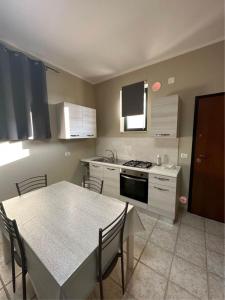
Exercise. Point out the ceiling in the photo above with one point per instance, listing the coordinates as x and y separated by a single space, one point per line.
100 39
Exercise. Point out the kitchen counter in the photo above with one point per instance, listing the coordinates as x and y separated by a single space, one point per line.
159 170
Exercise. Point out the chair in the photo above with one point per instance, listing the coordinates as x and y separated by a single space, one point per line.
30 184
111 235
93 183
17 248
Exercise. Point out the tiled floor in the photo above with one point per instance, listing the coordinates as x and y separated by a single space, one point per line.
181 261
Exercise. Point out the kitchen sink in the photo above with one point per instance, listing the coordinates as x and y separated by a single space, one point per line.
109 160
104 159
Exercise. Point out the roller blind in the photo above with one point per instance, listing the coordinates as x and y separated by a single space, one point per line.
133 99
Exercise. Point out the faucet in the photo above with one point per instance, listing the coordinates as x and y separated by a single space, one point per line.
112 154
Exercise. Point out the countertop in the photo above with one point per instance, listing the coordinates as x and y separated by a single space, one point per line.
159 170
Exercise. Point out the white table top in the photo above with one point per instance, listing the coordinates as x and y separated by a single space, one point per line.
60 224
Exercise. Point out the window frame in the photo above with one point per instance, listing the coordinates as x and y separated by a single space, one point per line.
138 129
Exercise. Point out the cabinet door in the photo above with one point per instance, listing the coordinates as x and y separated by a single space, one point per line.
89 122
96 170
75 120
111 185
162 197
164 116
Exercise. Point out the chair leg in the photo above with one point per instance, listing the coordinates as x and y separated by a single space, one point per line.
101 290
122 273
13 269
24 285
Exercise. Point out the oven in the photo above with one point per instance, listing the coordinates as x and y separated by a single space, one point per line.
134 185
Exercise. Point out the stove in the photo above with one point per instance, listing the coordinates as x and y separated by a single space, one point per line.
138 164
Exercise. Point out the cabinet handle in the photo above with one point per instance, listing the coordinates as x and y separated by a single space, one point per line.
160 189
90 134
163 134
96 166
160 178
74 135
110 169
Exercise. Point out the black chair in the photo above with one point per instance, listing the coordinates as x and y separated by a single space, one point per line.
17 248
93 183
30 184
111 235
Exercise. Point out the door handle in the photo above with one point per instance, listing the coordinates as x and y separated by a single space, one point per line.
202 156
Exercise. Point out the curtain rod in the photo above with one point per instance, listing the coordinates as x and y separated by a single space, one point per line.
52 69
12 48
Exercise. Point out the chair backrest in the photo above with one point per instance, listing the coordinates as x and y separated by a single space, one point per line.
10 226
30 184
111 238
93 183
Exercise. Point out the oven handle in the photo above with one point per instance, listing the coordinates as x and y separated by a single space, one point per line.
136 179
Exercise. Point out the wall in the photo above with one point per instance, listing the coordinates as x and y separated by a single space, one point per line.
49 156
197 73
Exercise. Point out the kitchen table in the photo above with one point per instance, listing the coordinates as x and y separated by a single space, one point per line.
59 225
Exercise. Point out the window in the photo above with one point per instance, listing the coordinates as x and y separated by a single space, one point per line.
136 122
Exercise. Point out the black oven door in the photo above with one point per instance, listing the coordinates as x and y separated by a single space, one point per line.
134 187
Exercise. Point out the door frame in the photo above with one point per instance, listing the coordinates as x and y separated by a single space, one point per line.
196 109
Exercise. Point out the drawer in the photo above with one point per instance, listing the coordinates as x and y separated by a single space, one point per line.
96 170
111 173
162 180
162 197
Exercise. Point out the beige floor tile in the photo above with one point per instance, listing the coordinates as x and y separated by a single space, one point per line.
149 223
157 258
193 220
3 295
164 239
214 227
215 263
216 287
190 277
111 291
116 273
139 244
192 252
6 271
19 292
215 243
146 284
192 234
175 292
167 226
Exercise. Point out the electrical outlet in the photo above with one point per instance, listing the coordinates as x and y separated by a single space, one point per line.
67 153
184 155
171 80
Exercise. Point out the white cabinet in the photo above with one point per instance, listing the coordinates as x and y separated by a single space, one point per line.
96 170
164 116
75 121
111 185
163 195
110 176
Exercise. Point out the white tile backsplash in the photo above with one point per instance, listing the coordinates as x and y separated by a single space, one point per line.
140 148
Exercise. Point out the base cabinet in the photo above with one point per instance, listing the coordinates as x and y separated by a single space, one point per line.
111 185
110 177
162 195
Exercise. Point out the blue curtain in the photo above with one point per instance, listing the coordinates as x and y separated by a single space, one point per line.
23 97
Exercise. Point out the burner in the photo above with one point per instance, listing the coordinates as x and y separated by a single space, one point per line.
138 164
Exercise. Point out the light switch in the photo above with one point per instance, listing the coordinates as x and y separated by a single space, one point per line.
184 155
171 80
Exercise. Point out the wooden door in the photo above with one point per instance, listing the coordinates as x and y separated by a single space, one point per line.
207 171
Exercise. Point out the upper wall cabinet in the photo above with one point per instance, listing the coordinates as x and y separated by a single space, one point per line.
76 121
164 116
